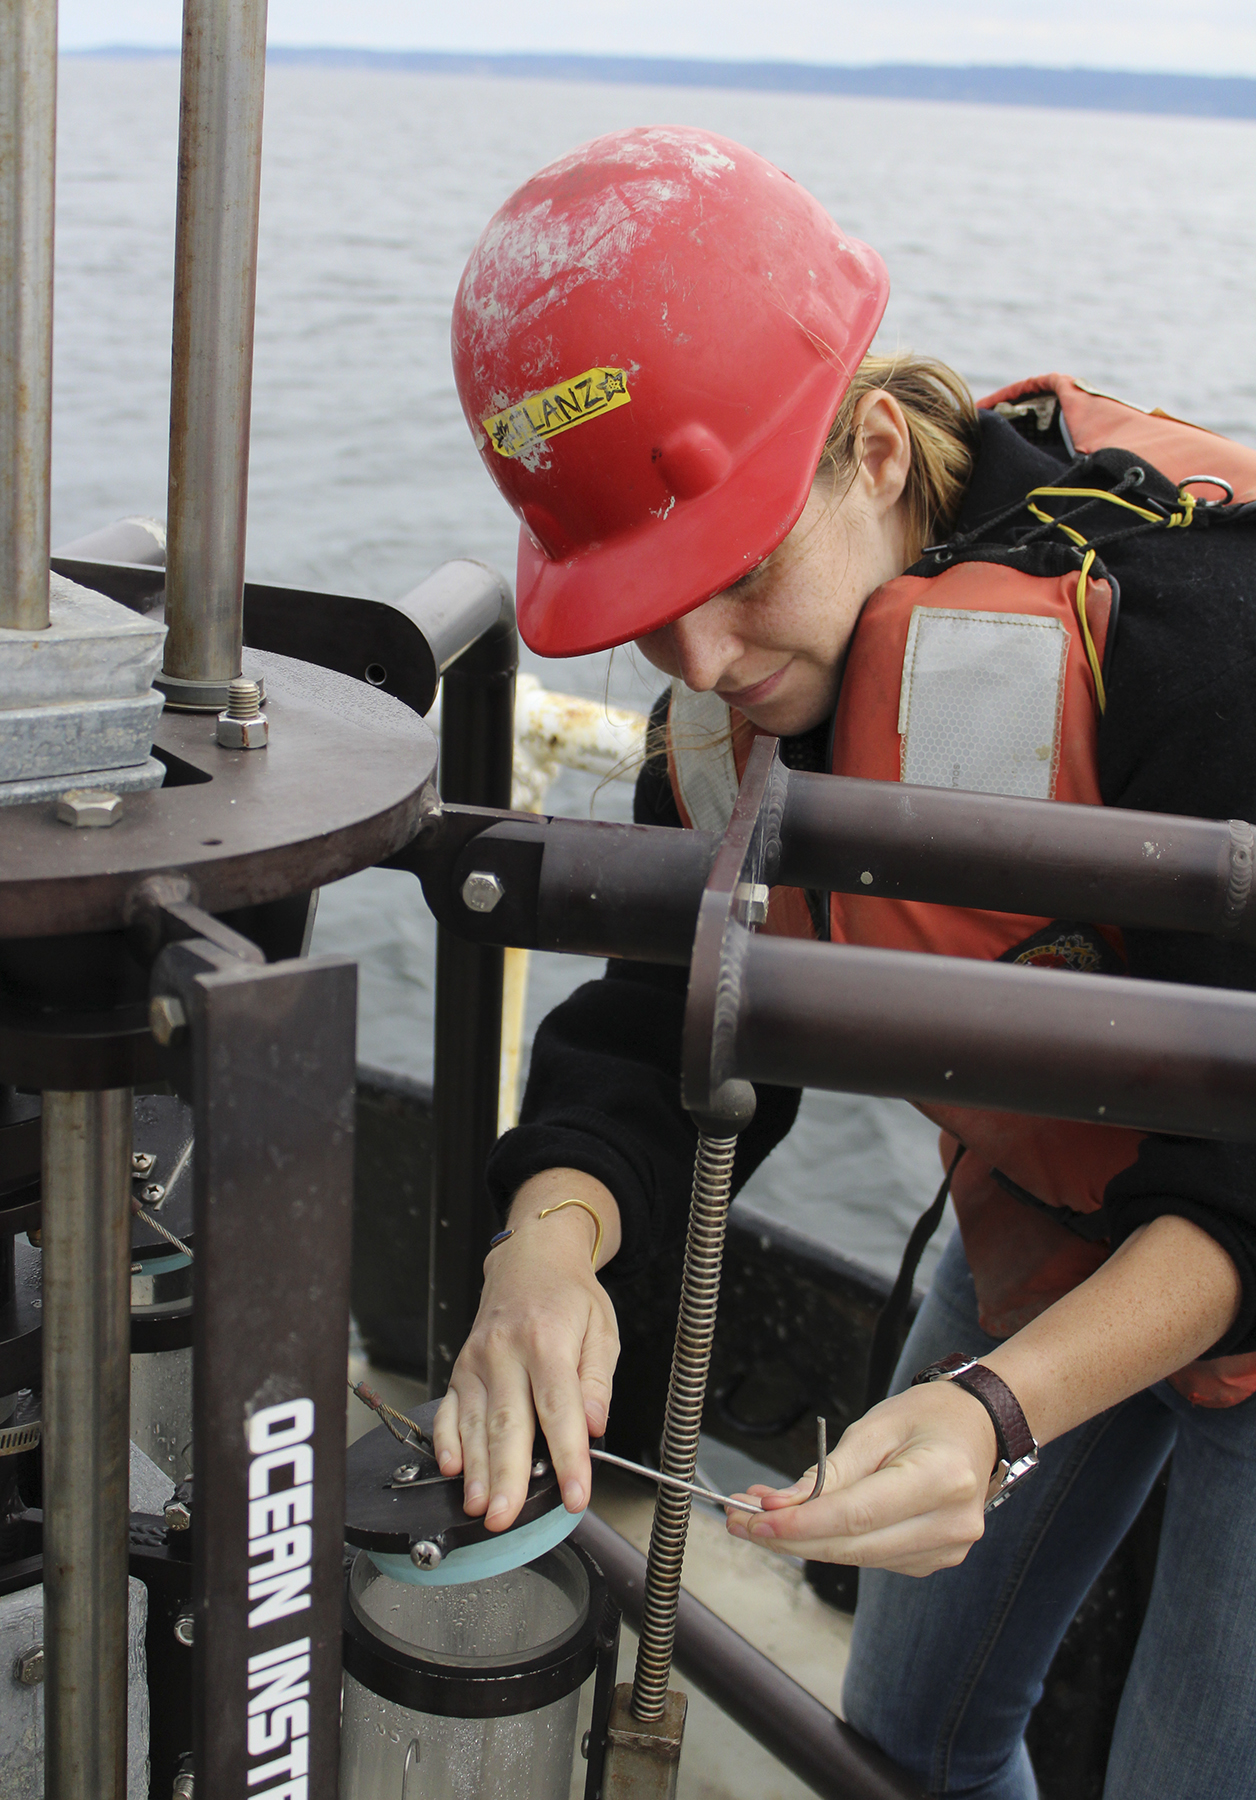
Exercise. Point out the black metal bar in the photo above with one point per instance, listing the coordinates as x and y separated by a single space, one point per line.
477 744
778 1713
1152 1055
1042 857
273 1074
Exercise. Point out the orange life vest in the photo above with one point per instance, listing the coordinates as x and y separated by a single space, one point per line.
978 677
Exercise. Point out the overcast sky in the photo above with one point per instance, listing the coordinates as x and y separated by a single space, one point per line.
1203 36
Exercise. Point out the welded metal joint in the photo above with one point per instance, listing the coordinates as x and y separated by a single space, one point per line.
643 1755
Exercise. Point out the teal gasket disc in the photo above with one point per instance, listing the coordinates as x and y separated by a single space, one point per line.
494 1556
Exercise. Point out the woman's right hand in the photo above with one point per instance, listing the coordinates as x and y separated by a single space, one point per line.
543 1349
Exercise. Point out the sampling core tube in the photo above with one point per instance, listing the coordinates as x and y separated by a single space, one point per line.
86 1435
28 120
220 168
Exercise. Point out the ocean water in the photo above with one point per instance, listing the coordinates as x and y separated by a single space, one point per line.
1119 248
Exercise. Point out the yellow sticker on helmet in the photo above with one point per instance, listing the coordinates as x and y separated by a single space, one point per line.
557 409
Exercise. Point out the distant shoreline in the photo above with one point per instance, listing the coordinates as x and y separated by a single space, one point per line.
1086 90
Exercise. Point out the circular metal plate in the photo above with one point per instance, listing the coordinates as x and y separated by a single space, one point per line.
345 782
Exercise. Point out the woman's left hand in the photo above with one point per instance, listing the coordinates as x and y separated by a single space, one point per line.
906 1488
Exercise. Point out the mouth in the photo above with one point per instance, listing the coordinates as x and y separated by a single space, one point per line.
754 695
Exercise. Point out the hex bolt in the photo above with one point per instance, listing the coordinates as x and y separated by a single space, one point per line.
178 1517
89 807
425 1555
142 1162
482 891
166 1018
29 1667
183 1630
752 896
244 725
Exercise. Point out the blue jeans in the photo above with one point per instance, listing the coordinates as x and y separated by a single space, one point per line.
945 1671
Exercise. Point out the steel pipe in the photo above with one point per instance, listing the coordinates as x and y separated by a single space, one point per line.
477 744
954 1031
1155 871
28 129
86 1435
220 165
789 1722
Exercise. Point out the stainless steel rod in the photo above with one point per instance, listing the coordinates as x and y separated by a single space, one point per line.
28 129
220 166
86 1430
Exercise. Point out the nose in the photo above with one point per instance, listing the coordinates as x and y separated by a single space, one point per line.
703 646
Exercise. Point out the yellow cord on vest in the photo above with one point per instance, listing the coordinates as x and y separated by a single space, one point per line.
1092 655
1179 520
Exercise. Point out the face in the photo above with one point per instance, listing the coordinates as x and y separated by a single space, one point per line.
773 644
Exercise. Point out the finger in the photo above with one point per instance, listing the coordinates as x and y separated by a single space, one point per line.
445 1438
598 1357
887 1497
510 1427
560 1407
915 1547
473 1441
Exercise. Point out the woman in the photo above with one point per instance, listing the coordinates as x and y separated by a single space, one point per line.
661 347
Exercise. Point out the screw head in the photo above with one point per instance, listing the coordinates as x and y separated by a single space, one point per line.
29 1667
425 1555
166 1018
406 1474
540 1467
243 734
482 891
89 807
152 1193
183 1627
142 1162
178 1515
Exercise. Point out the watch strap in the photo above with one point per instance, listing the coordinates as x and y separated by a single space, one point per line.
1011 1428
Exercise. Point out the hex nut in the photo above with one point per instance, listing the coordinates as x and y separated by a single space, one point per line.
243 734
178 1515
89 806
482 891
29 1667
166 1018
183 1627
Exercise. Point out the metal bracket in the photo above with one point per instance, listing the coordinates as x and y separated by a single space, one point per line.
271 1068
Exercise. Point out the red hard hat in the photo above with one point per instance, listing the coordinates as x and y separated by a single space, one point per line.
651 340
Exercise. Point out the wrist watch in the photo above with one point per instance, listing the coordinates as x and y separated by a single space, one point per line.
1018 1450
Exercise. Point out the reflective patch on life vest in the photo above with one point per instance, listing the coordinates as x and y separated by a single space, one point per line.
980 701
557 409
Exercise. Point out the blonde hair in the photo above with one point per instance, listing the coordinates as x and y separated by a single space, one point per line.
942 423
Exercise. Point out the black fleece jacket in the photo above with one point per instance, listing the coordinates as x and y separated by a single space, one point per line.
1179 736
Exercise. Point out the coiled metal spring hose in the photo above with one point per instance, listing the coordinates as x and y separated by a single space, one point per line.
695 1331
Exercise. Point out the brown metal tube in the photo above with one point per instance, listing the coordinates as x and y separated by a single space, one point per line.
86 1436
28 130
220 167
1041 857
789 1722
1147 1054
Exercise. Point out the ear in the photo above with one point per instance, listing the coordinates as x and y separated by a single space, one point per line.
884 448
